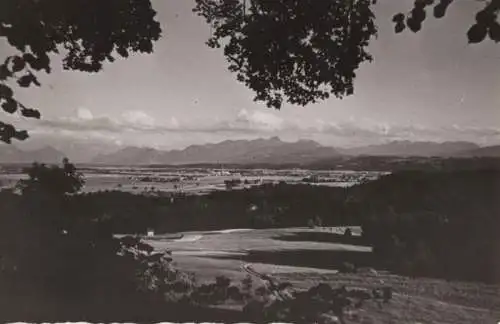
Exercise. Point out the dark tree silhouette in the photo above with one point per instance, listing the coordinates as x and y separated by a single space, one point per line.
53 179
86 32
486 19
300 51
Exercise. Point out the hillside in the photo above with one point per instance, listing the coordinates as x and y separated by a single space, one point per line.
487 151
47 154
270 151
408 148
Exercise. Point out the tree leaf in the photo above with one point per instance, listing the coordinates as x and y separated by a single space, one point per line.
418 14
494 32
17 64
477 33
9 106
400 26
439 11
413 24
485 17
27 79
5 91
7 132
398 17
21 135
4 72
30 113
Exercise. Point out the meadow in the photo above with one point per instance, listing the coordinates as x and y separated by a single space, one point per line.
307 262
427 238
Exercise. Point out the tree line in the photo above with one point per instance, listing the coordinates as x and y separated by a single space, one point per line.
60 261
433 223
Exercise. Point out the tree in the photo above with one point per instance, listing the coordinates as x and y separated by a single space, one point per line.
86 32
486 19
302 51
54 179
61 263
298 51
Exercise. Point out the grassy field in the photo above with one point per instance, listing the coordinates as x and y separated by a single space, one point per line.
133 179
306 257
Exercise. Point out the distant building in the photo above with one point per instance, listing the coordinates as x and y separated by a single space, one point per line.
150 233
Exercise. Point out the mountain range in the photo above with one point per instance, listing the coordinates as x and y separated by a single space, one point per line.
408 148
12 154
269 151
259 151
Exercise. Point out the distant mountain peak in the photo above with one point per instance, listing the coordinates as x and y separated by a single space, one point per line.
271 150
46 154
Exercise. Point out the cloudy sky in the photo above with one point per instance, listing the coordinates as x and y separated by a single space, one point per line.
426 86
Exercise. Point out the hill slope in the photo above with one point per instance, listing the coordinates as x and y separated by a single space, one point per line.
47 154
487 151
272 151
408 148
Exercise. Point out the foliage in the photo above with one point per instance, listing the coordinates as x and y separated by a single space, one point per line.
319 304
230 184
52 179
71 265
86 33
155 271
60 266
405 216
281 302
429 223
303 51
259 207
486 19
314 222
300 51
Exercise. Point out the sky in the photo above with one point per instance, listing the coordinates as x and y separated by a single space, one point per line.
430 86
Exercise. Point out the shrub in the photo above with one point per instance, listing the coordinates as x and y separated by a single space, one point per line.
347 267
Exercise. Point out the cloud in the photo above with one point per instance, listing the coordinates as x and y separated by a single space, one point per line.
260 120
256 123
138 117
84 114
85 120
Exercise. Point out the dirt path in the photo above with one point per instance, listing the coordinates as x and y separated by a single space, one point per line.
188 238
442 303
267 279
270 282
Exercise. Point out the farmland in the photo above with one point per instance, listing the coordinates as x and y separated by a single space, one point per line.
382 234
196 180
306 263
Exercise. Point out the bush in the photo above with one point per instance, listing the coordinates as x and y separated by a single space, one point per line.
347 267
58 265
319 304
419 219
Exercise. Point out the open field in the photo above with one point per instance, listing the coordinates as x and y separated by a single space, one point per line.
195 180
279 253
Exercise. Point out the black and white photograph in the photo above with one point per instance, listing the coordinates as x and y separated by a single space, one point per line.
250 161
